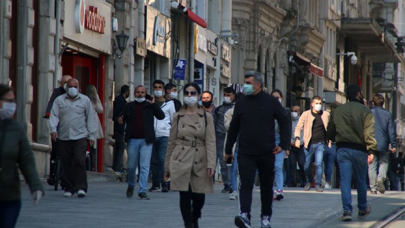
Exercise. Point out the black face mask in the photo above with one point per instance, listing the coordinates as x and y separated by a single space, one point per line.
207 104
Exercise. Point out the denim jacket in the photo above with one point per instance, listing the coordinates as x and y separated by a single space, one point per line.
384 129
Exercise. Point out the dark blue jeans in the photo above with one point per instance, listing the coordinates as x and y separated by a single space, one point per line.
9 211
329 158
352 162
158 160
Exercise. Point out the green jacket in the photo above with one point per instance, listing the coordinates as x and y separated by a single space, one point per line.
16 152
352 125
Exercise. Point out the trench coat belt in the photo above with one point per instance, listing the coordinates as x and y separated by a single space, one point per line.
193 143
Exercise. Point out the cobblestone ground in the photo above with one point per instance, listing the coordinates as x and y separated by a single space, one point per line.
106 205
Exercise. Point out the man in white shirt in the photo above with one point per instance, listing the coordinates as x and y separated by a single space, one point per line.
72 123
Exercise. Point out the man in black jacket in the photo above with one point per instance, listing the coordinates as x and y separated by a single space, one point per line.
139 135
119 104
253 120
56 93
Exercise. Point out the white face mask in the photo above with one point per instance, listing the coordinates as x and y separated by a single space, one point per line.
173 95
318 107
294 115
158 93
139 100
227 100
72 91
279 100
8 110
190 101
65 87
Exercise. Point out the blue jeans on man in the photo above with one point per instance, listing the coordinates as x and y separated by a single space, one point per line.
315 150
352 162
278 166
329 159
234 171
225 172
138 152
158 160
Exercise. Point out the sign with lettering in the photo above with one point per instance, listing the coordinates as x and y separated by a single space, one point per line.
180 70
226 53
159 30
141 47
212 47
156 29
202 43
225 71
94 21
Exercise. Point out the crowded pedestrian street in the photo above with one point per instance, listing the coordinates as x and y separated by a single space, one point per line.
107 206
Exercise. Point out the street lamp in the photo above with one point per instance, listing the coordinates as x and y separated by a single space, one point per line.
122 41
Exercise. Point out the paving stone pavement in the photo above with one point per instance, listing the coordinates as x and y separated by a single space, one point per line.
106 205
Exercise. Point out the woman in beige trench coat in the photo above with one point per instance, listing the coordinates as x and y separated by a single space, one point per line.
190 155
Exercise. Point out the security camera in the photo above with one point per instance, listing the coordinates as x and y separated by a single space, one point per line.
353 60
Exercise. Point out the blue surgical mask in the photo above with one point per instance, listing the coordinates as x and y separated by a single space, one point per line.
248 89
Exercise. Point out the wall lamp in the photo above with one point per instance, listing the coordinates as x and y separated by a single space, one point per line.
122 41
353 59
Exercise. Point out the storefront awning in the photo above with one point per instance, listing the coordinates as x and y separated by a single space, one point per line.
195 18
316 70
370 39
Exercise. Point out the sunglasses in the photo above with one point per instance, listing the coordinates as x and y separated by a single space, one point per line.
192 93
294 111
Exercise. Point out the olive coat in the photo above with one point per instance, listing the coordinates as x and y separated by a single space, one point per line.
191 151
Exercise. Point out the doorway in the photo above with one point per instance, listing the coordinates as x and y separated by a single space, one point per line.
89 70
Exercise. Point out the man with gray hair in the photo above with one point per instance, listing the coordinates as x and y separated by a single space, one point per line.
56 93
72 122
253 120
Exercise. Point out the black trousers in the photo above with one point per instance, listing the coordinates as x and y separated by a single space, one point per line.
191 205
73 164
248 164
297 155
53 158
118 151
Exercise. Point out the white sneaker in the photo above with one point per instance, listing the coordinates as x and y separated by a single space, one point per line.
234 195
81 193
67 194
328 186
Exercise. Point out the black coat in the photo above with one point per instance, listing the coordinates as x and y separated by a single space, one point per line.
56 93
149 112
119 104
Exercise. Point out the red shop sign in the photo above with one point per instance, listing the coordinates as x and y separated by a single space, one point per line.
94 21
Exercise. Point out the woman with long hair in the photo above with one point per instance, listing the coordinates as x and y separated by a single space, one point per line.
190 155
91 93
15 153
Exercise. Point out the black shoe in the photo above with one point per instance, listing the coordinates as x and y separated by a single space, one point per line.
130 192
365 213
188 225
226 189
165 188
51 181
143 196
347 216
195 222
242 221
154 188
